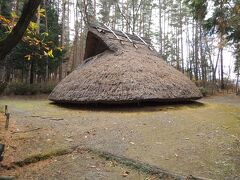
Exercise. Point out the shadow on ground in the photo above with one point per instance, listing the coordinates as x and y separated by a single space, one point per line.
132 107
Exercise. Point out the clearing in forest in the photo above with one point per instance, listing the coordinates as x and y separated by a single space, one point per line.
53 142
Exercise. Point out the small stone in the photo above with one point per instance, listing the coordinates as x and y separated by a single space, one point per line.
126 173
69 140
233 136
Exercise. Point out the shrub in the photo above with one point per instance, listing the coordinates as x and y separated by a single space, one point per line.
3 86
238 93
29 89
47 88
22 89
204 91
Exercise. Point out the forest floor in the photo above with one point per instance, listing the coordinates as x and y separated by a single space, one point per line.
46 141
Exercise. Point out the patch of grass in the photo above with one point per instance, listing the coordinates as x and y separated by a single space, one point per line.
40 157
1 109
143 167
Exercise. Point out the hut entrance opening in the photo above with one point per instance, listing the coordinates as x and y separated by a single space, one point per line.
94 46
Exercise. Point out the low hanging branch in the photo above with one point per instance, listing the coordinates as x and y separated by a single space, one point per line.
18 31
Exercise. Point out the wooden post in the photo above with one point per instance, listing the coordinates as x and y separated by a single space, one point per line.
6 110
7 120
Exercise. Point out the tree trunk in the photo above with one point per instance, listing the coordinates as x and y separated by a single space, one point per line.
32 72
160 26
46 25
133 16
17 7
221 70
181 36
237 83
164 28
196 51
222 32
62 37
201 55
18 31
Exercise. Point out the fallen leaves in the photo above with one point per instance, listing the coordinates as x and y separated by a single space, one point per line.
126 173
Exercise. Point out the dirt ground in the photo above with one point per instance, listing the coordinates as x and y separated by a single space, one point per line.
47 141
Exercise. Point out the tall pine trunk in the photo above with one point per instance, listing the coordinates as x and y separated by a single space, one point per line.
62 38
196 51
160 26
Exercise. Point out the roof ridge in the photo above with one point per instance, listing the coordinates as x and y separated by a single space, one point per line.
121 33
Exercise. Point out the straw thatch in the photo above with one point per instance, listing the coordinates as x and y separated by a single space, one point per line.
115 72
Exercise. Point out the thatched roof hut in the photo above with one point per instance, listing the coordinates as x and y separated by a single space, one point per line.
122 68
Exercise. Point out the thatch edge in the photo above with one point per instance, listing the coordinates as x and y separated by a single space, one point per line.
134 101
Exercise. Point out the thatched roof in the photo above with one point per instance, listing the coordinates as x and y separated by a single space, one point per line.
117 71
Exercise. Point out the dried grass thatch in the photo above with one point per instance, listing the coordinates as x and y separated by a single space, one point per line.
120 73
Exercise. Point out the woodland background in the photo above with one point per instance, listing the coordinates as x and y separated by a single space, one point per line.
191 35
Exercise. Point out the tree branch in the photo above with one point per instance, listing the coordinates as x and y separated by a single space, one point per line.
127 20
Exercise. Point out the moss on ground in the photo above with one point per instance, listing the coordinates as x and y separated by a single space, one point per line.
43 156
